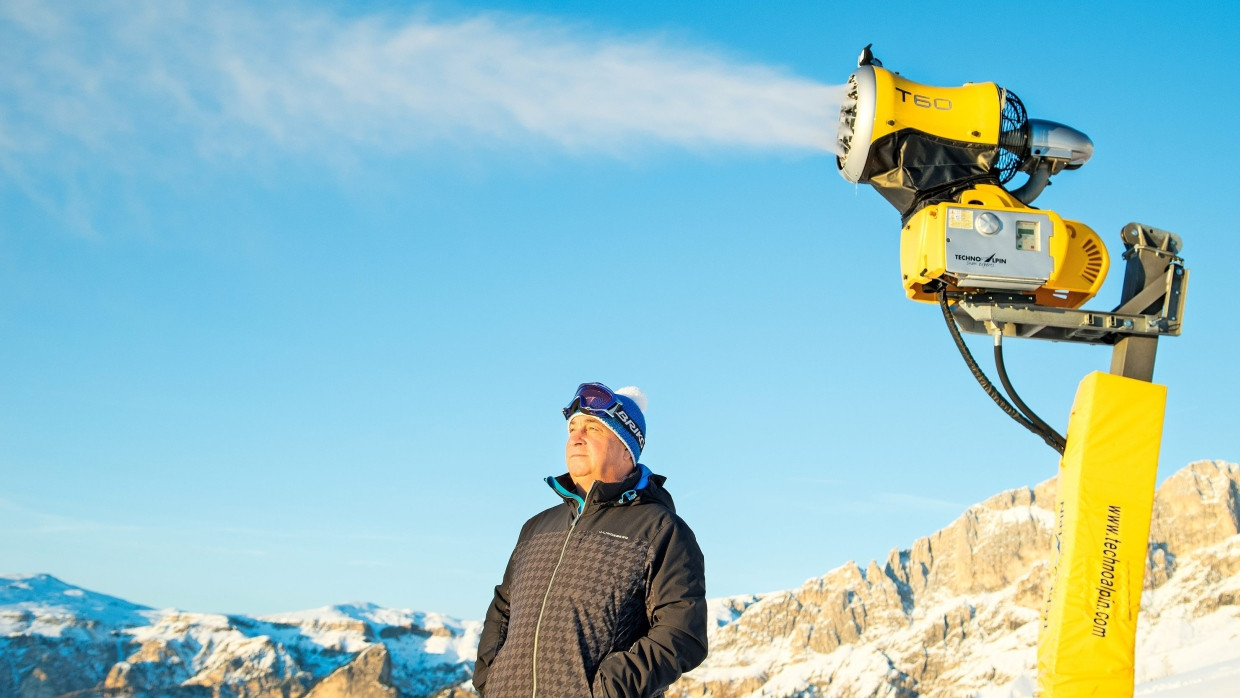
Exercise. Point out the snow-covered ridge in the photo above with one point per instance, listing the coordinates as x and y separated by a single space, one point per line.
41 604
57 638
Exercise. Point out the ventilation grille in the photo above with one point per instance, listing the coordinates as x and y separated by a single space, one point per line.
1093 261
1013 139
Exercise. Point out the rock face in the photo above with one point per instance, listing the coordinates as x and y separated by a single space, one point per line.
958 612
955 614
369 675
1196 508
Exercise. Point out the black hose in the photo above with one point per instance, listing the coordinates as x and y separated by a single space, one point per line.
983 381
1054 438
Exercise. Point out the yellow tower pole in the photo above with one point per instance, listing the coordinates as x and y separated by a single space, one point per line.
1102 524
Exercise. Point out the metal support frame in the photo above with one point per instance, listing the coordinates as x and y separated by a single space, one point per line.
1133 357
1151 306
1150 253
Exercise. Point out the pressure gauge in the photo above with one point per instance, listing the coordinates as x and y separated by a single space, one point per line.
988 223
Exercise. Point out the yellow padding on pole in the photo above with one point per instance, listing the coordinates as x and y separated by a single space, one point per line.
1102 528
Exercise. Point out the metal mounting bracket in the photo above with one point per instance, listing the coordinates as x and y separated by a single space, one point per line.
1151 306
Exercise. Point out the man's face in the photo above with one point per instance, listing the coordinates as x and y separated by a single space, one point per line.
594 452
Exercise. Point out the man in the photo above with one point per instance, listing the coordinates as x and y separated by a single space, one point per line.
605 593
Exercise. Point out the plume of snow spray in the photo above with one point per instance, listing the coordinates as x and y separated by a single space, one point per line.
231 77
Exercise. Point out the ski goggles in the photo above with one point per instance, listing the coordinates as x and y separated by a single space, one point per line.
592 397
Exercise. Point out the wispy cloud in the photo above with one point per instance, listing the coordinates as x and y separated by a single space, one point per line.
232 78
236 552
19 520
322 533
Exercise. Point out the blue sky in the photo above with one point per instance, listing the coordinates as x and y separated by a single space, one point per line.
291 295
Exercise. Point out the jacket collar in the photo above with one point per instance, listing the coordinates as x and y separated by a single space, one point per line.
627 490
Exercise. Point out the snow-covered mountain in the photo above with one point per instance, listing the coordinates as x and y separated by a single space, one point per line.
57 639
956 614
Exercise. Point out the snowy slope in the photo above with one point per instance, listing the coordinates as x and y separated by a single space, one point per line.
1218 680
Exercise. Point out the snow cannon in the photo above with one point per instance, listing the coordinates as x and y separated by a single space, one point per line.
943 157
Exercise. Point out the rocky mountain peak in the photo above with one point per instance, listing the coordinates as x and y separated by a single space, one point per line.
957 613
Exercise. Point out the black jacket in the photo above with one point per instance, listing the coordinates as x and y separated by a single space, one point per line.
610 602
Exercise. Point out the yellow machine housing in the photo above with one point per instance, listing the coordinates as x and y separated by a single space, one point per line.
990 241
941 157
969 114
912 142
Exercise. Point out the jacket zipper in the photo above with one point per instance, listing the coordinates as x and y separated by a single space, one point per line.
550 582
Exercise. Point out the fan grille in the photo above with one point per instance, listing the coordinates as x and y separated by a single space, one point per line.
1013 140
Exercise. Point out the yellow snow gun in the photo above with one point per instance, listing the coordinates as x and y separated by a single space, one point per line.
942 157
